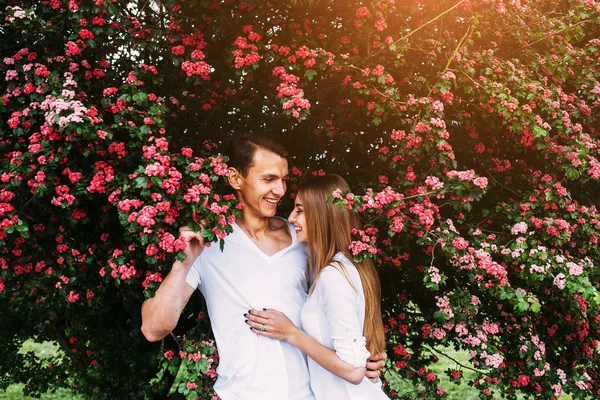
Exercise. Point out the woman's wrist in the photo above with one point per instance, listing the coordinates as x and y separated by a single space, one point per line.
295 336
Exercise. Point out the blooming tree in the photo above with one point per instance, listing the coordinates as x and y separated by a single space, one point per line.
467 130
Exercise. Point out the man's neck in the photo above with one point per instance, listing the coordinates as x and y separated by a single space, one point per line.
254 226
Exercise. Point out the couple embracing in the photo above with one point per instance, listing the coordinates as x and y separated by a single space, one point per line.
281 290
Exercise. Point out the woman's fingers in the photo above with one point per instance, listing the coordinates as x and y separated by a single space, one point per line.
266 314
256 327
263 333
256 318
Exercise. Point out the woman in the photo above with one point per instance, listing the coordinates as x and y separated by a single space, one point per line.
342 315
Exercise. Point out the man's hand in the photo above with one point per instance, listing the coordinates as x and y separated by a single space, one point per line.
194 244
374 365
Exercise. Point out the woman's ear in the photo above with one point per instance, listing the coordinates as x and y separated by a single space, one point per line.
234 178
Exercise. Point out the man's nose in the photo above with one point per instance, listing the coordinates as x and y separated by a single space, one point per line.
279 188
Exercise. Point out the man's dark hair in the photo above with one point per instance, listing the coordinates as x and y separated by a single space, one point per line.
241 149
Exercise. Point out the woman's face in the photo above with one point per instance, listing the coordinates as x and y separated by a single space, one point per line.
297 218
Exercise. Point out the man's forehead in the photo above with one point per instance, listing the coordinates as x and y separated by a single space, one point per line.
268 163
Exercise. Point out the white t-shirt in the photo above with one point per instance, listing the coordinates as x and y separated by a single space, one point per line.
241 278
334 315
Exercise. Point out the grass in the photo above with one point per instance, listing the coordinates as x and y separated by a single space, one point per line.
42 350
453 391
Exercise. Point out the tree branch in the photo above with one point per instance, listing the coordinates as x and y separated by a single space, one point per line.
429 22
435 352
555 33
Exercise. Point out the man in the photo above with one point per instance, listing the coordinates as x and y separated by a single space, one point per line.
261 266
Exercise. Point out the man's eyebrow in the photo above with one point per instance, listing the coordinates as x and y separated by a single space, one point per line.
273 176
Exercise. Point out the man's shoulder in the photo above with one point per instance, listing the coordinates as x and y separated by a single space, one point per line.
279 223
280 229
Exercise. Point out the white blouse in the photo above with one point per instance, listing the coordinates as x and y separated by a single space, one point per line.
334 315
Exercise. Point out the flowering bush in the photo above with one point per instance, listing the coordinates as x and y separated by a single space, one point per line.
468 131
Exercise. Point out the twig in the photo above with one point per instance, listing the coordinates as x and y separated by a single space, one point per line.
430 21
434 352
26 203
176 340
456 49
433 253
555 33
477 84
458 46
492 176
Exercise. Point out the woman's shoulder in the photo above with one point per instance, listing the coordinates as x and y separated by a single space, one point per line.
340 269
341 262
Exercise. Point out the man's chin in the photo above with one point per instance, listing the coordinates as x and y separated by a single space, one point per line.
269 214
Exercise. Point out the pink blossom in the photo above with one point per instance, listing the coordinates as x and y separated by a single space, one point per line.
574 269
460 243
439 334
199 68
362 12
518 228
434 183
481 182
73 297
560 281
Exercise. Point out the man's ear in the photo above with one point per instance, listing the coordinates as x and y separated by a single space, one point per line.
234 178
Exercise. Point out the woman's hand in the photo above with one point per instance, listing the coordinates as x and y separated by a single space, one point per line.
272 324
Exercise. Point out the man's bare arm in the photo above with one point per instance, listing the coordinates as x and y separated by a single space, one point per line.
161 312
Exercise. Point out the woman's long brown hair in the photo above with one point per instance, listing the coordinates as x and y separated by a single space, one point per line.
329 232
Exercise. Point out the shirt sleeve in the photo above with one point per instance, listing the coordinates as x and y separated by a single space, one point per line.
340 302
193 276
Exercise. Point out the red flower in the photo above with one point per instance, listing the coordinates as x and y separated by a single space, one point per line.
178 50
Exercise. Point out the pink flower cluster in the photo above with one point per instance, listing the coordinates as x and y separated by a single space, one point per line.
366 242
199 68
288 91
468 176
246 53
55 106
574 269
519 228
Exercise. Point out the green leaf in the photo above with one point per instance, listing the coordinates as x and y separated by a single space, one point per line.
572 173
539 132
310 74
141 182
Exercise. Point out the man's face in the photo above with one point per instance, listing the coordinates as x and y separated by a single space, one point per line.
264 185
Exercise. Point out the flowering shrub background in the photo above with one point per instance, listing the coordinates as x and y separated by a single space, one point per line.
467 129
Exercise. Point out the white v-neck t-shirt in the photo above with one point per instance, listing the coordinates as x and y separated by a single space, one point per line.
240 278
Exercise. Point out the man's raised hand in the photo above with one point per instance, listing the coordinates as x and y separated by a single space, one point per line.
375 364
194 244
